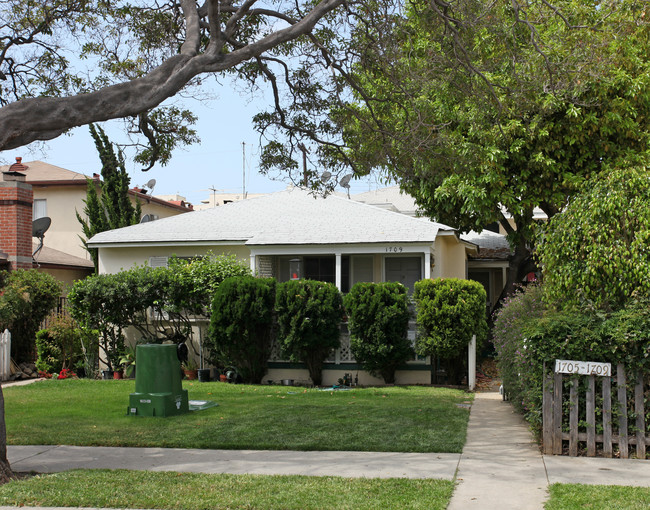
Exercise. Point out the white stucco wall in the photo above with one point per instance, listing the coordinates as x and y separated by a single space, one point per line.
114 260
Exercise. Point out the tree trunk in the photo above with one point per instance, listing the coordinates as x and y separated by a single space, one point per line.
6 474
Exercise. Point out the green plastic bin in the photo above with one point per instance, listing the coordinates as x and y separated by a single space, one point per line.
158 387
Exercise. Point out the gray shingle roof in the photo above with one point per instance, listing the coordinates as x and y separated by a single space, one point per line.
291 217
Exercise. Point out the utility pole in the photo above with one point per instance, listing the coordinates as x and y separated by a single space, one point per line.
305 180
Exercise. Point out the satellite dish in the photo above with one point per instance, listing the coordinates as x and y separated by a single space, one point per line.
345 181
40 226
146 218
325 176
151 183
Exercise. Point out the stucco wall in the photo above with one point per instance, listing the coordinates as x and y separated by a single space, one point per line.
113 260
450 258
62 202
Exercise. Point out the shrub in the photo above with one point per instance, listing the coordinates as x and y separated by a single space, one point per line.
26 300
241 323
596 251
378 317
309 322
59 346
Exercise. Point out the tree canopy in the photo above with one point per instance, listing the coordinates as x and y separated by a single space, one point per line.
595 253
483 111
67 63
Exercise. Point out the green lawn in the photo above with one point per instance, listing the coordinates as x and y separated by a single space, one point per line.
140 489
597 497
84 412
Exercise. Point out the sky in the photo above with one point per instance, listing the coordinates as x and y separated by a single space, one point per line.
219 162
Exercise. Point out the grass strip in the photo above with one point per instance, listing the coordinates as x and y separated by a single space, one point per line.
93 413
188 491
596 497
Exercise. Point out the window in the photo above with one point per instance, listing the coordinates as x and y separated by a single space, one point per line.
320 268
39 209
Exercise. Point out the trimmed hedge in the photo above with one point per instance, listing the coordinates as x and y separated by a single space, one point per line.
241 325
378 317
309 322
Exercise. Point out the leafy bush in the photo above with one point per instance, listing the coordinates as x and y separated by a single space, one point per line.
59 346
241 324
309 322
26 300
596 251
378 317
157 302
449 312
527 335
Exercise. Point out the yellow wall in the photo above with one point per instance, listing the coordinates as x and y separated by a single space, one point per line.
450 258
67 277
64 201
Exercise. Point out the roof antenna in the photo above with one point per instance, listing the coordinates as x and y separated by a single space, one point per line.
39 227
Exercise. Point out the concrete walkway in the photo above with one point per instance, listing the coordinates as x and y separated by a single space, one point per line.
500 468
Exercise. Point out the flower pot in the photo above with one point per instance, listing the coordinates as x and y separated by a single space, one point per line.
223 378
191 374
204 374
107 374
117 374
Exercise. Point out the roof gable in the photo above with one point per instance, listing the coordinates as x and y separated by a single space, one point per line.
294 216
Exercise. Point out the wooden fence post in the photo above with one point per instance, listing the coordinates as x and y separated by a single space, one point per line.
639 410
557 414
547 413
607 417
591 416
573 417
622 416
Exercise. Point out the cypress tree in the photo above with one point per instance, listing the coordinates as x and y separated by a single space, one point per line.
108 207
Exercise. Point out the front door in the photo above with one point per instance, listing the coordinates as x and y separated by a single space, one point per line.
406 270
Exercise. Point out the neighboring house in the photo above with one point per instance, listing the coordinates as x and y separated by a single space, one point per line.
17 244
219 199
36 189
293 234
59 193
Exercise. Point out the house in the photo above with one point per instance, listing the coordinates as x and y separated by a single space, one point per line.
489 265
59 193
295 234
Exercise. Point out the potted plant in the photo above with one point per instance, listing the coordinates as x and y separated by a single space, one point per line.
190 368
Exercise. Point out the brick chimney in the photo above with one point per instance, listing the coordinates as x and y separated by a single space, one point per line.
16 200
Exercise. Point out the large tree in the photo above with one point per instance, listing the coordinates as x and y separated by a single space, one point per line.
67 63
482 111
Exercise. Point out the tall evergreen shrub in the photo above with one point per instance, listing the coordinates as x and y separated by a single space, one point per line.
309 322
449 312
378 317
241 325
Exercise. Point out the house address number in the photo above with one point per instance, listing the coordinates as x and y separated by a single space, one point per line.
582 367
394 249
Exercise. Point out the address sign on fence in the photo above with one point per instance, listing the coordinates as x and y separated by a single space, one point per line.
563 366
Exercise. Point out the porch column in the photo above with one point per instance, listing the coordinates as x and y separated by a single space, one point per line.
427 265
338 277
252 260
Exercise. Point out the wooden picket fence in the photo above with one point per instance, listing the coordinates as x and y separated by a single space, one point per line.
621 419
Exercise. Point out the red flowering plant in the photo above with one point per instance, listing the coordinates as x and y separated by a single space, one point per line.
44 374
66 373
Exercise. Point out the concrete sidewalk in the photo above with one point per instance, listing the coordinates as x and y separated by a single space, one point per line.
501 467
